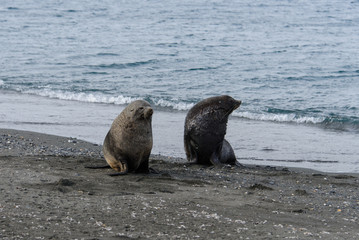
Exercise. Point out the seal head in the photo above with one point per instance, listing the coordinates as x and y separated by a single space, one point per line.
129 141
205 128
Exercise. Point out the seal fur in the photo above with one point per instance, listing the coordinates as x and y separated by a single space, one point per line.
128 143
205 128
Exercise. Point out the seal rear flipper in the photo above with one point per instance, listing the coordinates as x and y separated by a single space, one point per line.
227 154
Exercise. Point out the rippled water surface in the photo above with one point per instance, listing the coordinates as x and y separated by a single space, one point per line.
294 64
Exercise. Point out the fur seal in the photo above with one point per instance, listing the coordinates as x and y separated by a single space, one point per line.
205 128
128 143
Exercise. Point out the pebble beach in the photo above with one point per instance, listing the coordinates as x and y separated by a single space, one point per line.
46 192
70 67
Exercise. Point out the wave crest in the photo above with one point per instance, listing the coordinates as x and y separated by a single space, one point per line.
344 123
181 106
107 99
291 117
328 122
83 97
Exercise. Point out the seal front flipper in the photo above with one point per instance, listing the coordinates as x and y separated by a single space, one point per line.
121 167
119 164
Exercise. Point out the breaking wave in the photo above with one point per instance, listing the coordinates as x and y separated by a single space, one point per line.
83 97
173 104
280 117
342 123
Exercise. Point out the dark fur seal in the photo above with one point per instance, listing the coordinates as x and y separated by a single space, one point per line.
128 143
205 128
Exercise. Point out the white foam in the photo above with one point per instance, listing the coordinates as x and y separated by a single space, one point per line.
83 97
279 117
107 99
1 82
172 104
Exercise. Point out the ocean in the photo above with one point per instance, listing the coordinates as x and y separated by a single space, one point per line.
70 67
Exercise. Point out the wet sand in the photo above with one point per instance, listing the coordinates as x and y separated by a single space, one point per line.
47 193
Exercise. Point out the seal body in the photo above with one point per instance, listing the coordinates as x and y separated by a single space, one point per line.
205 128
128 143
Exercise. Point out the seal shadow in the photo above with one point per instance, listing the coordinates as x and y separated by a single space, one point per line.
150 170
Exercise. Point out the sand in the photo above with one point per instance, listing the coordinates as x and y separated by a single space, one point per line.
46 192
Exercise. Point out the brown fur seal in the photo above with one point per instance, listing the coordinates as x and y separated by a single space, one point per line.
128 143
205 128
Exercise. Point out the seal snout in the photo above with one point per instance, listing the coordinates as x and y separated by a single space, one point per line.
147 113
237 104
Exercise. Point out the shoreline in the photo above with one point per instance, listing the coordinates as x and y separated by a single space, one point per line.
46 192
254 142
95 150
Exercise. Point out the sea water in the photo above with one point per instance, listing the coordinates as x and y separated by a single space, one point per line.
70 67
